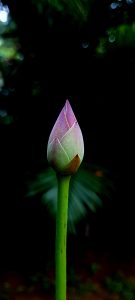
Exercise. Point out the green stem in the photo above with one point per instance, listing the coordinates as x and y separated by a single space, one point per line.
61 236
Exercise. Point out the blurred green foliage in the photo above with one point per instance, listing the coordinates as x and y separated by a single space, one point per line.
86 192
78 9
76 282
94 268
119 284
122 36
83 23
7 120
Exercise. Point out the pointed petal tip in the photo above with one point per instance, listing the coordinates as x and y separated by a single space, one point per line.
67 103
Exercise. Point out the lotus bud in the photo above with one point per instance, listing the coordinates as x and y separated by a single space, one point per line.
65 149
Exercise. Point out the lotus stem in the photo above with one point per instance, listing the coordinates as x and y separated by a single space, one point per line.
61 236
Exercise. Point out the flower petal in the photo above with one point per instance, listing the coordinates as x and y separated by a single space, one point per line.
57 155
65 120
60 127
71 119
72 142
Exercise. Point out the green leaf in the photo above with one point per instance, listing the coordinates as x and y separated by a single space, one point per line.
86 191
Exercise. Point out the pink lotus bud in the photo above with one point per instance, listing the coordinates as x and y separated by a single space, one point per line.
65 148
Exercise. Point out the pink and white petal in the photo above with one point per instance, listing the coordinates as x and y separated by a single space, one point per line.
71 119
73 143
60 127
57 156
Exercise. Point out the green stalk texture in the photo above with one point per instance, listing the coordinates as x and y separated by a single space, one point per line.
61 236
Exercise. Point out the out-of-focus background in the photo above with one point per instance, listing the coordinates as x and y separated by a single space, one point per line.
84 51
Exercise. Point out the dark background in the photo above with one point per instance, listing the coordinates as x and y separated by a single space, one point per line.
101 91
